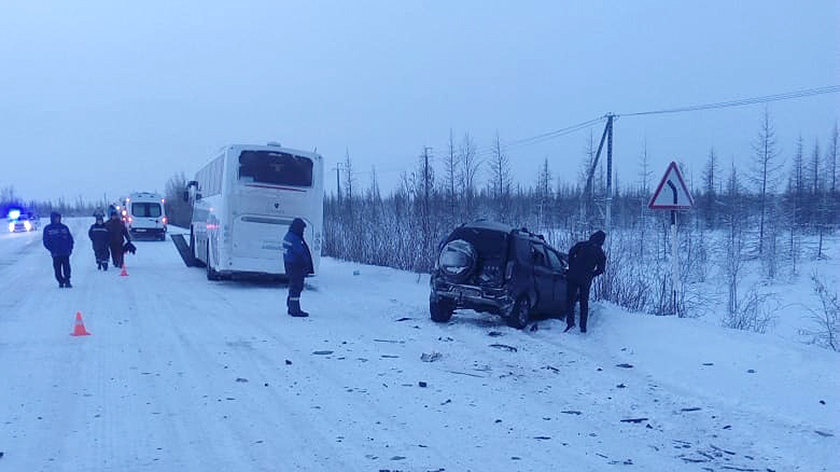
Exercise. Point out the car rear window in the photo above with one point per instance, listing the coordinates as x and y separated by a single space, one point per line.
488 243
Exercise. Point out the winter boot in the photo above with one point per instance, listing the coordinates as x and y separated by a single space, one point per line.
569 326
67 284
105 266
294 309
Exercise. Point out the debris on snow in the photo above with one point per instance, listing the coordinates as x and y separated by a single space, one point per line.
466 373
431 356
625 366
634 420
322 353
571 412
288 362
422 384
241 379
495 334
505 347
405 318
695 408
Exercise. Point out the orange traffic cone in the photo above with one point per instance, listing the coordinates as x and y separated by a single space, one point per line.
79 330
124 272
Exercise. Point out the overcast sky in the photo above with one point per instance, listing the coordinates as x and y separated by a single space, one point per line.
104 97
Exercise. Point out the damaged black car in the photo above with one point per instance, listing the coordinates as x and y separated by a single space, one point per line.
494 268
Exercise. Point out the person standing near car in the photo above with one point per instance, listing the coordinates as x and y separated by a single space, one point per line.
586 261
58 240
298 263
117 232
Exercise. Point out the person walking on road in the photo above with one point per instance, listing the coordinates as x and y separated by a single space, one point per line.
586 261
117 232
100 238
298 263
58 240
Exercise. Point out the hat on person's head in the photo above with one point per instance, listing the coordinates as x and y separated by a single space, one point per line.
297 227
598 237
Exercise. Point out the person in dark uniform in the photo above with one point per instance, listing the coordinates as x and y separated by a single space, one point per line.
116 233
58 240
586 261
298 262
100 238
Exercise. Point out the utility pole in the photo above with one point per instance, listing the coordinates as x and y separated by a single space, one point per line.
426 185
608 222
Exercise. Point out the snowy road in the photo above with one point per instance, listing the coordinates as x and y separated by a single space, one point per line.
188 375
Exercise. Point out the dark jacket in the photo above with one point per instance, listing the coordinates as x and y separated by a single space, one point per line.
587 259
98 234
57 237
296 255
116 232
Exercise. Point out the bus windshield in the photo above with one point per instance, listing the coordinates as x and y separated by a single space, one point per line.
275 168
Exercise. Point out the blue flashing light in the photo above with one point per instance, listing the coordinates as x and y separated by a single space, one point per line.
14 214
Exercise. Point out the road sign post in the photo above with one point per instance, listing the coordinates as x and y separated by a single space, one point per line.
672 194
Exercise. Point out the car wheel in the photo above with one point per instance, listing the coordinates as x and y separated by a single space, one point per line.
440 310
520 315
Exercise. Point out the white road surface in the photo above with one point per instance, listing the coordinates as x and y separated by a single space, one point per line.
182 374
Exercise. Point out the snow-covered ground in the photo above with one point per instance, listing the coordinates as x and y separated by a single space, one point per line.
188 375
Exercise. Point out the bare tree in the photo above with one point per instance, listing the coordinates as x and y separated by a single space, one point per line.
469 170
710 173
349 178
795 195
500 177
734 260
451 170
543 193
826 318
831 158
765 170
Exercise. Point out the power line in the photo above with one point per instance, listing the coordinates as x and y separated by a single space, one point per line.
743 101
483 152
547 136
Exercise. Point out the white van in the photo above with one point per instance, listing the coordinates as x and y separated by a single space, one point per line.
146 215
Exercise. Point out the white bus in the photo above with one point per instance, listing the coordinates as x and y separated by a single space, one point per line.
243 203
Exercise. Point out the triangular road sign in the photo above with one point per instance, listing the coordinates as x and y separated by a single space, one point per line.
672 193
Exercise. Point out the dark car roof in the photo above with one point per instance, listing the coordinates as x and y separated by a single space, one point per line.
489 225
